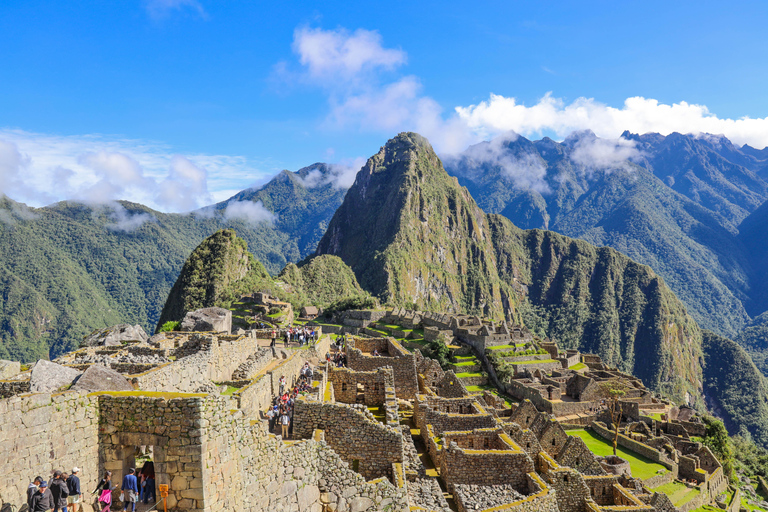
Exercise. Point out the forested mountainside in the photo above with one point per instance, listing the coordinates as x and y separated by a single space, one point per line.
412 234
221 270
70 268
735 389
677 203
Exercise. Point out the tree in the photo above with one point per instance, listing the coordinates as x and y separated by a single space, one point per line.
717 440
440 352
612 392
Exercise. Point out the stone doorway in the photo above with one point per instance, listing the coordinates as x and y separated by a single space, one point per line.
130 450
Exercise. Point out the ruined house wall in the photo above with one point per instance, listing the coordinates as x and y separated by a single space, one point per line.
485 467
345 383
635 446
9 388
575 454
216 360
442 422
352 434
402 362
40 433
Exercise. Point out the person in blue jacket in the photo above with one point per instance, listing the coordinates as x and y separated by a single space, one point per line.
130 490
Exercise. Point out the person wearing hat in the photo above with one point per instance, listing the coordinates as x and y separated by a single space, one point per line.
73 484
41 501
32 489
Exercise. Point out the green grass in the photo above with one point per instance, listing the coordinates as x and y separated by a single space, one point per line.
466 363
229 391
531 361
655 415
642 467
465 375
465 358
501 347
577 366
678 493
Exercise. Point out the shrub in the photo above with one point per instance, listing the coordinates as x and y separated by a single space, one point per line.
170 326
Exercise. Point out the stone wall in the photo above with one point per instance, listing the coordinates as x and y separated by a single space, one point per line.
534 496
9 388
255 363
374 383
216 360
353 434
424 414
41 433
402 362
485 467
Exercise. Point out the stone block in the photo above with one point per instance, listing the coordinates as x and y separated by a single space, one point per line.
47 376
9 368
307 496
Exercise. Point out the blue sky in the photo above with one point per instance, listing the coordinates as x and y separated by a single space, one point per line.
114 100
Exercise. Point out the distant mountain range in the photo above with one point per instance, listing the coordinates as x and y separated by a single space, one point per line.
688 206
70 268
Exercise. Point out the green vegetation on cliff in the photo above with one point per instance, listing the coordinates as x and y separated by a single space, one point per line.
219 271
321 281
735 389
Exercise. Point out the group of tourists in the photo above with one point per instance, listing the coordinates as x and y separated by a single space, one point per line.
300 335
281 410
62 492
134 488
339 359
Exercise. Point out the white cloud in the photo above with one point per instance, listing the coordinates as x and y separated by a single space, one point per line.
101 168
159 9
349 66
341 175
638 115
524 171
337 55
249 211
185 187
604 154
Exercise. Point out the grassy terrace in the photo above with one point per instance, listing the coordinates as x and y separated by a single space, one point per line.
577 366
466 363
506 347
468 375
678 493
531 361
642 467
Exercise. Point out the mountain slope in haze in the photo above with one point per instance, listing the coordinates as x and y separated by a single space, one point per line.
411 234
674 203
70 268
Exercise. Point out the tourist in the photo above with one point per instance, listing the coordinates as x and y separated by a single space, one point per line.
106 488
282 384
32 489
59 492
274 338
73 484
130 488
148 481
285 422
271 413
41 501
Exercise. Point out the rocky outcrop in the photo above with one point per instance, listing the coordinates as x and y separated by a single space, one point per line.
115 335
9 368
101 378
208 319
48 377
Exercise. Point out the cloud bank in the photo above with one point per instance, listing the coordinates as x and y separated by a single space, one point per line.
369 101
249 211
39 169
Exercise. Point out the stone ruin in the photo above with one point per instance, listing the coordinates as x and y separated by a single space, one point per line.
390 432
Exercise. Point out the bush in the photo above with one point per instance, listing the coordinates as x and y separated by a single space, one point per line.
353 302
170 326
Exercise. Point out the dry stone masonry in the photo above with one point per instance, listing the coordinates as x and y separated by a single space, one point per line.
391 431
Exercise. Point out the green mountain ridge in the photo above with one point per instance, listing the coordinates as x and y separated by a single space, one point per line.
411 234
